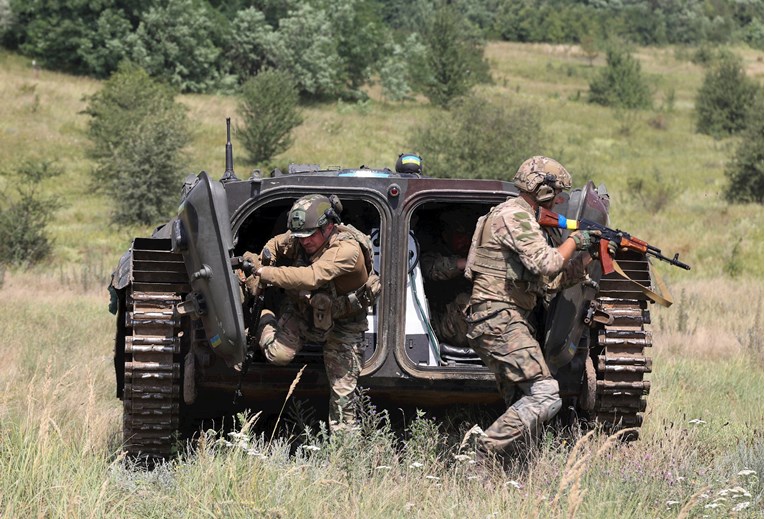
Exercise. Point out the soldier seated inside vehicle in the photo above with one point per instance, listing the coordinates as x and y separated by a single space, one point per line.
443 233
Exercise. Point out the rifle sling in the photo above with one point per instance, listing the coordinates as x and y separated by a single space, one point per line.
664 298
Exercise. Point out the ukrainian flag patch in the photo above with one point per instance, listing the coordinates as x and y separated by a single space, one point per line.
215 341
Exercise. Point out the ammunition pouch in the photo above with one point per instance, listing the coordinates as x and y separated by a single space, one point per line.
322 311
358 300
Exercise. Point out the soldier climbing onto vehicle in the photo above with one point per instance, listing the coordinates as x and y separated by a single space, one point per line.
513 266
325 269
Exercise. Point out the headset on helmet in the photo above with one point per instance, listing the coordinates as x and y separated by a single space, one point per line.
542 176
312 212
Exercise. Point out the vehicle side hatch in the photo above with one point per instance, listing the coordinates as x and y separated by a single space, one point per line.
202 234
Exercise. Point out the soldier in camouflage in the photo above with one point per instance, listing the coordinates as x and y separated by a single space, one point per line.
511 265
326 275
444 263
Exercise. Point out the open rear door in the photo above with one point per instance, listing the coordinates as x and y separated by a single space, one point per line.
202 234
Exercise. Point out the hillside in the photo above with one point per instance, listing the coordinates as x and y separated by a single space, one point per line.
682 170
700 452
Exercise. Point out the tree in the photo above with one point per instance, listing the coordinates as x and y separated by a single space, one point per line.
269 107
454 61
478 139
744 170
620 84
137 130
178 42
25 215
249 43
725 97
306 48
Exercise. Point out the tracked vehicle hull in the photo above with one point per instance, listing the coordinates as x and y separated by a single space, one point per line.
171 375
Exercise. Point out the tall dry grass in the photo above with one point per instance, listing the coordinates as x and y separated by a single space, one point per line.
700 451
701 447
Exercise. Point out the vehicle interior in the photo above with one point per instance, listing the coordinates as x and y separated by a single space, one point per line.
440 232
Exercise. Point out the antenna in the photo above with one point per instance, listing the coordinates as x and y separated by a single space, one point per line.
229 173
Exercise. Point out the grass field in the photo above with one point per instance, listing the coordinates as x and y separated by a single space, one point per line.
701 447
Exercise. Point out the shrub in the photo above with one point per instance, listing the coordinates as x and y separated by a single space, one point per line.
137 130
620 84
744 170
478 139
724 99
25 214
269 107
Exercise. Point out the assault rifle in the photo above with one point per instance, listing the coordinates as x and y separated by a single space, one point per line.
254 304
547 218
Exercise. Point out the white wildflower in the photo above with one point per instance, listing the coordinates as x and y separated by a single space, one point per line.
712 505
311 448
741 506
435 478
514 483
383 467
462 457
747 472
672 503
697 421
415 465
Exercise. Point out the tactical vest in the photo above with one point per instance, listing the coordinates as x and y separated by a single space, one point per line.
488 257
359 289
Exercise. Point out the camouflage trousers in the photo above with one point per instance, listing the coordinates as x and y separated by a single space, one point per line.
503 337
280 340
449 323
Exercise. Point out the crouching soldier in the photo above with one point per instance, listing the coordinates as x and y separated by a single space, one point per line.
512 266
325 269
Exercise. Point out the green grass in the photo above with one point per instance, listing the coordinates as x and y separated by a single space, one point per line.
60 422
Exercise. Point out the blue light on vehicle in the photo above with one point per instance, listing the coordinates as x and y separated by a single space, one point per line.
364 174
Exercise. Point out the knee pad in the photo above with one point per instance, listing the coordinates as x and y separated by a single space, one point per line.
539 405
277 353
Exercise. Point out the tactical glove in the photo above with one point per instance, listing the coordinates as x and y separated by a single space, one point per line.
613 247
254 260
584 240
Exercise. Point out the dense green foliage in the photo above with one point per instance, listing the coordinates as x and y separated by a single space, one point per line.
454 62
621 83
478 139
744 170
137 130
725 98
176 42
25 213
334 47
269 108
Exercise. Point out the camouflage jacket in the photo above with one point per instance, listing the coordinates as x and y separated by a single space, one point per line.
514 228
440 265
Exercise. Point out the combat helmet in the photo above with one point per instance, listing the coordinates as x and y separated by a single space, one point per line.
312 212
541 176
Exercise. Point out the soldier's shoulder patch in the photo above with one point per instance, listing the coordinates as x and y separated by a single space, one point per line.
521 215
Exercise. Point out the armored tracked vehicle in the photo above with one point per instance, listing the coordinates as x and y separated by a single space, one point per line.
181 325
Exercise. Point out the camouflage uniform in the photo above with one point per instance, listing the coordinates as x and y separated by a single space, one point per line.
448 321
439 264
511 267
335 270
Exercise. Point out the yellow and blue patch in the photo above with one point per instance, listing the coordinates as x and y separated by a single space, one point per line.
215 341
